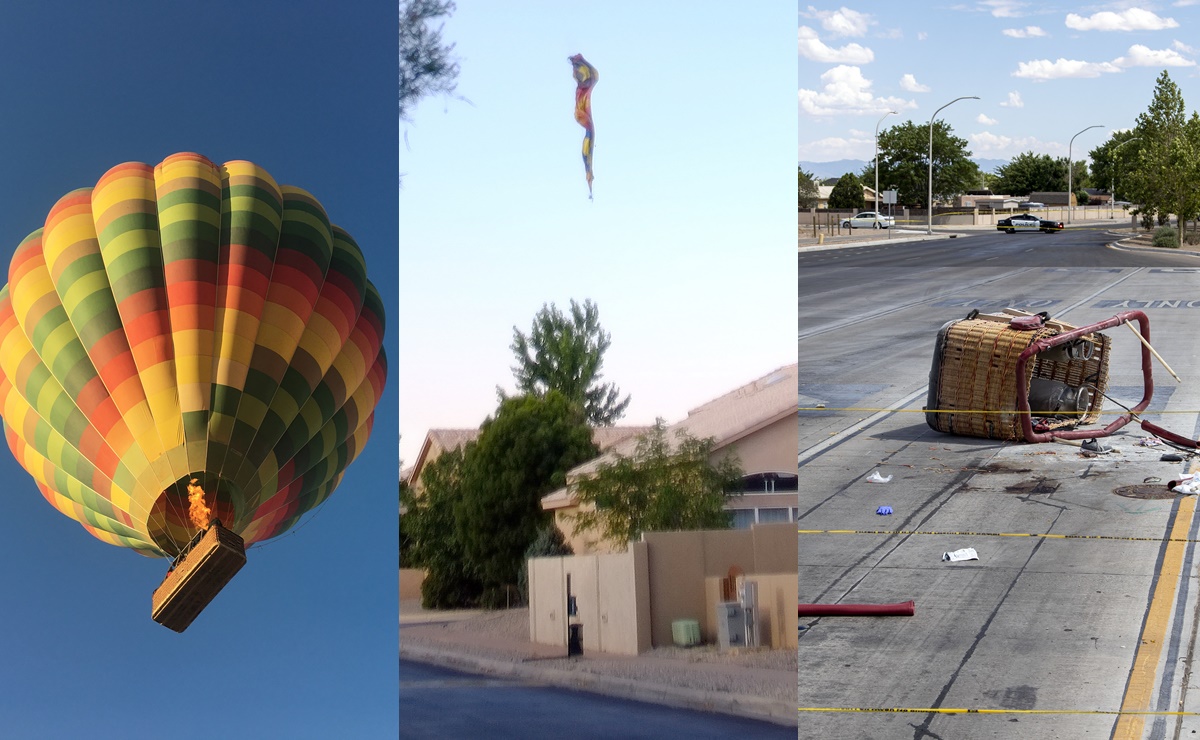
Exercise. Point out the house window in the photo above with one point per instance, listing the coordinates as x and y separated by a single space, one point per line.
743 518
766 516
769 483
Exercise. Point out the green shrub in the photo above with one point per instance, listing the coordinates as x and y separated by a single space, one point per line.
1165 236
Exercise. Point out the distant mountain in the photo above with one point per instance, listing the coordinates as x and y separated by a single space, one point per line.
822 170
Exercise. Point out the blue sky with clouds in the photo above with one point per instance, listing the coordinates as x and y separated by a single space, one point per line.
1042 71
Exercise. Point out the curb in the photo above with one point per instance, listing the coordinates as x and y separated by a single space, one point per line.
751 707
1120 247
877 242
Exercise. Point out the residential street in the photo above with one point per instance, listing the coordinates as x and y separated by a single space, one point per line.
1084 612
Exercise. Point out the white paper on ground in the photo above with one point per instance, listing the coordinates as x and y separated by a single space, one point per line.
967 553
877 478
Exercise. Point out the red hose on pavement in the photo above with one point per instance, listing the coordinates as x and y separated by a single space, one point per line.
903 609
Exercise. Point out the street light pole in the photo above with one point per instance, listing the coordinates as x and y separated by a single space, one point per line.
885 115
1112 190
929 200
1070 191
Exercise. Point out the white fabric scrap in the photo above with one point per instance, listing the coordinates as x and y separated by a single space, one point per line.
1189 483
877 478
967 553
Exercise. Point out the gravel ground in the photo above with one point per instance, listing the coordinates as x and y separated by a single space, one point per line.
504 635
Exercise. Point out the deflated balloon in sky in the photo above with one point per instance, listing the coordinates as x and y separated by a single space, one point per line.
188 324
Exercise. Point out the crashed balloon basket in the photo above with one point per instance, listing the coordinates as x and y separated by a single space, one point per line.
184 344
1017 375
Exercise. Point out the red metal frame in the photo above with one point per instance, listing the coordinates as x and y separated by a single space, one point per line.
1048 342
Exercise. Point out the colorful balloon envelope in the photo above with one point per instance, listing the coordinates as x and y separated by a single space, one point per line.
188 325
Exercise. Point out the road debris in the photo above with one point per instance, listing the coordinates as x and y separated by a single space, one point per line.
884 511
875 477
967 553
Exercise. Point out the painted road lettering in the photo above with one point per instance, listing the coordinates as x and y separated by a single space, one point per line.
1142 303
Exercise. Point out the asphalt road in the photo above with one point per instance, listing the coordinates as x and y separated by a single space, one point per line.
1042 636
1076 246
441 703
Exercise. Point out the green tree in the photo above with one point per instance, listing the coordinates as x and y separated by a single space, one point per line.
1112 161
549 543
523 452
1165 177
1031 173
565 353
426 64
847 193
904 162
663 486
428 523
809 195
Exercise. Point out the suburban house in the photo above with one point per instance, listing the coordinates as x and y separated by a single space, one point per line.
757 422
823 192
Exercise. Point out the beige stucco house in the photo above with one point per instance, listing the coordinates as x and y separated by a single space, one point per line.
756 421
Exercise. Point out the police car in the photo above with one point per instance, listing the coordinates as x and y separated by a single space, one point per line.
1027 222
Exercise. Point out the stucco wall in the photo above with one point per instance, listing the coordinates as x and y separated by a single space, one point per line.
611 591
680 564
771 449
410 582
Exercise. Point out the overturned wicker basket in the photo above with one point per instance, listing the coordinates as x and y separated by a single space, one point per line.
973 381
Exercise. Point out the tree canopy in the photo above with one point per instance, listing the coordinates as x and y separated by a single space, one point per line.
1112 162
664 485
523 452
1165 177
426 64
904 163
809 196
1032 173
428 523
847 193
565 353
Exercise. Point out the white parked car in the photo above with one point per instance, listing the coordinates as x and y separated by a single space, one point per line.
868 220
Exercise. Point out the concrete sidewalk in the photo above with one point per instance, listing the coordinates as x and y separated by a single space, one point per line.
759 684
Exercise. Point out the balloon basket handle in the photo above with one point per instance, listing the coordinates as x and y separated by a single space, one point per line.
198 577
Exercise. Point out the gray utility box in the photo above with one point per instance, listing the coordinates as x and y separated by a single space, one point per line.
731 625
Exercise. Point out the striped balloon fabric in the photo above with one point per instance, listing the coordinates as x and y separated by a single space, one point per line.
188 323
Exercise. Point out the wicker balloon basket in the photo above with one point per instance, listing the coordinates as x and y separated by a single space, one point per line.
973 382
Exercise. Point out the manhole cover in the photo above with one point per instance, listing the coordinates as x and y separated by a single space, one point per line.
1144 491
1040 485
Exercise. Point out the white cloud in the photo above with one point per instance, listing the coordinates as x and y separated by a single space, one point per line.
1185 3
832 148
982 118
1004 8
846 91
841 22
921 35
1141 56
987 144
908 83
1133 19
1014 101
1044 69
1184 48
1027 32
812 48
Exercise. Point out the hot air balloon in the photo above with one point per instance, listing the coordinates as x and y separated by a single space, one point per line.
188 348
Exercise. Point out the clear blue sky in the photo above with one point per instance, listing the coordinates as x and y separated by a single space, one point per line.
1043 71
688 247
303 642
